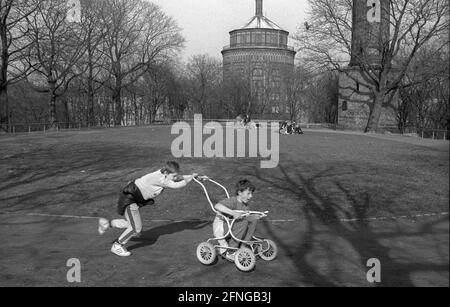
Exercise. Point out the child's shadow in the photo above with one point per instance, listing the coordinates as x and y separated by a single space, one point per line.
149 237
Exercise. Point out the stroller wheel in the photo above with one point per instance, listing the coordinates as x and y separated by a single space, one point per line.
245 259
206 253
267 250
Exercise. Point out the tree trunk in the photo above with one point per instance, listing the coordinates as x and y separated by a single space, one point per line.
66 110
136 112
249 105
374 117
149 112
5 116
52 106
91 112
90 89
117 101
4 57
153 115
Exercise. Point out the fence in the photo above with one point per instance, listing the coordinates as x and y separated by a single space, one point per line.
425 133
45 127
435 134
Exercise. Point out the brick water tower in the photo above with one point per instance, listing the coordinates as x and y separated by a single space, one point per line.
259 53
370 35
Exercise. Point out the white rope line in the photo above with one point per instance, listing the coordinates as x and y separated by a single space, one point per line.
155 221
395 217
62 216
272 221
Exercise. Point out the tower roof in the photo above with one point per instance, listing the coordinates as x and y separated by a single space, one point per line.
259 20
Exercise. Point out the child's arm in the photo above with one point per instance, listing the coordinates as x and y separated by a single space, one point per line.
180 184
224 209
188 178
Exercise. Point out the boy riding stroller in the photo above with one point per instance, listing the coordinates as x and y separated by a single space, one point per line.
243 250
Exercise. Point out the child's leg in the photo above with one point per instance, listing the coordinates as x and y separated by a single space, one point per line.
239 230
120 223
134 224
251 227
219 231
244 230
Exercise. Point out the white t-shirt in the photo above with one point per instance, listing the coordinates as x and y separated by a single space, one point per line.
153 184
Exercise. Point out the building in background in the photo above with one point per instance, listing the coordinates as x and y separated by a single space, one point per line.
260 57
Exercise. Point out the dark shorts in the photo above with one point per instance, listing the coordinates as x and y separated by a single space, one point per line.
131 195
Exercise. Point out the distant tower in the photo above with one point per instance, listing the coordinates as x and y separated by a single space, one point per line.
259 52
370 35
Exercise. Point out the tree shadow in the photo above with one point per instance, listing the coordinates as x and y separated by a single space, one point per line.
67 175
149 237
322 210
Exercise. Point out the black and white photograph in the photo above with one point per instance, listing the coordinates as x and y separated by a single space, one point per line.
224 149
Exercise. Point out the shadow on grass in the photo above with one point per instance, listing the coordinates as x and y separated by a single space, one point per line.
149 237
321 210
70 175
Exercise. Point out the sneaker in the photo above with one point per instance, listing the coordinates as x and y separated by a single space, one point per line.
230 256
103 225
120 250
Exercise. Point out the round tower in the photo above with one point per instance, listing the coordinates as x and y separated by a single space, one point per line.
259 52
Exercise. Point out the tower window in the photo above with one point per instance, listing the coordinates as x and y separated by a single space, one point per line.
257 72
344 106
357 87
258 38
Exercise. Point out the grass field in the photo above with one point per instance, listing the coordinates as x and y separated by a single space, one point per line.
335 200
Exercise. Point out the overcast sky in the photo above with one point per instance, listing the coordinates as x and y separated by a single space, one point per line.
206 23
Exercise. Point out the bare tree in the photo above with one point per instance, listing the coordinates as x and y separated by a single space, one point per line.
297 86
94 59
56 47
235 94
140 35
426 94
204 74
413 23
178 96
322 97
155 84
13 14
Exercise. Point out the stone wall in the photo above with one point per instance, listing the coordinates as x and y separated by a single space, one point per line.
354 101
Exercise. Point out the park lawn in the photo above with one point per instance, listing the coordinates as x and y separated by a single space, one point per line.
329 176
322 178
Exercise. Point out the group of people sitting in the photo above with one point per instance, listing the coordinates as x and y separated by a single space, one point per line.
286 127
246 122
290 128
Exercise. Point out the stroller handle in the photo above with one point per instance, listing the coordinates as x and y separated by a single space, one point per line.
198 179
246 213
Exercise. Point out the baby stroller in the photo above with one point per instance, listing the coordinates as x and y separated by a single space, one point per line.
245 258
